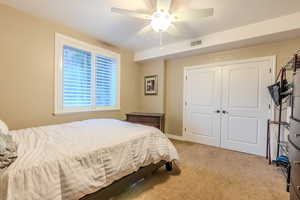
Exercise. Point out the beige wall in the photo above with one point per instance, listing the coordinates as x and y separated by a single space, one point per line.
27 72
153 103
174 73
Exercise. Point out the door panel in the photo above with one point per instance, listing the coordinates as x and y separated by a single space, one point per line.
205 128
243 80
202 87
249 125
245 100
203 99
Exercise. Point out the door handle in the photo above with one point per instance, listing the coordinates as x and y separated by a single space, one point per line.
224 112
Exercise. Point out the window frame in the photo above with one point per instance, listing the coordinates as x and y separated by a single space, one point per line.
60 42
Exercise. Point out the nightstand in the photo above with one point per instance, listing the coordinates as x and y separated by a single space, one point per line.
150 119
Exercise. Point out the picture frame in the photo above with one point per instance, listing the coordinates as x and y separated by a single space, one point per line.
151 85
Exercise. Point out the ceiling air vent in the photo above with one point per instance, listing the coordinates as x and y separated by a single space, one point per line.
196 43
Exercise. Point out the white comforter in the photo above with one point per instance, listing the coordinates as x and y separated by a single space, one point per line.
68 161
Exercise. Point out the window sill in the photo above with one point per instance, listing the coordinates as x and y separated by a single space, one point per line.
84 111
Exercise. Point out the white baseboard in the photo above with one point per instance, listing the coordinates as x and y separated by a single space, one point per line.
175 137
181 138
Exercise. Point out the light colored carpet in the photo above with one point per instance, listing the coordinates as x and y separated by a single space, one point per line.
209 173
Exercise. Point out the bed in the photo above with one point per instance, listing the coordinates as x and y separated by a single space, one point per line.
72 160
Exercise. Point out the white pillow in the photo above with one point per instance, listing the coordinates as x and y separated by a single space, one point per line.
3 128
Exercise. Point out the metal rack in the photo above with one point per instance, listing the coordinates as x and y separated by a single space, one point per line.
292 64
282 146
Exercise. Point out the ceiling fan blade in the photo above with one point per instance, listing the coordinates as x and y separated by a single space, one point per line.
173 30
130 13
194 14
144 30
150 4
164 5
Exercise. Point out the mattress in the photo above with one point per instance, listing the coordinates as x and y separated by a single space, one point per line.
68 161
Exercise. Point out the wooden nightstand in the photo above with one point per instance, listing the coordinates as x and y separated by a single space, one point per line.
150 119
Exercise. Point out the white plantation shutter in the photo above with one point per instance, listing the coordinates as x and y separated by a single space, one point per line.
87 77
77 78
106 82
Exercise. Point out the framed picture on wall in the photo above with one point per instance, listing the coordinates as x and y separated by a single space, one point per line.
151 85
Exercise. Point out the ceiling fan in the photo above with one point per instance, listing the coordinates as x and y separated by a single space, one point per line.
162 18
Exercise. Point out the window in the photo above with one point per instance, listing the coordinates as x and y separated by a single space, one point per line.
87 77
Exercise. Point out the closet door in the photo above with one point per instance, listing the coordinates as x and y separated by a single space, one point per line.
245 102
202 101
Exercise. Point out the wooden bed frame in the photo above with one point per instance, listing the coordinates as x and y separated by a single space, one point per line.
120 185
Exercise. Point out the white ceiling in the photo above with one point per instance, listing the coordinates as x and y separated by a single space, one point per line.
94 17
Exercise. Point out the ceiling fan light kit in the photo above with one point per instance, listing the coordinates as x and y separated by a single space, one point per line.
162 19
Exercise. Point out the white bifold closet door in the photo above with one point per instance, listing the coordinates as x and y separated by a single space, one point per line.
203 94
228 106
